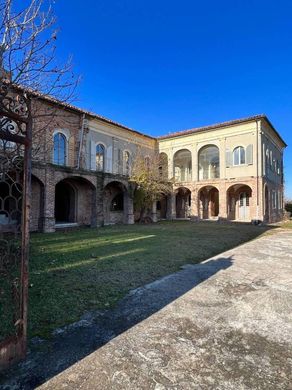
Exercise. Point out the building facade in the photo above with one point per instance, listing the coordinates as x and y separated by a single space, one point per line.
82 161
229 171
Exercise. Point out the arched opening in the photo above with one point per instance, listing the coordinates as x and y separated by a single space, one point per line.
37 204
183 203
163 165
182 164
114 203
65 202
162 207
75 202
209 163
239 198
209 202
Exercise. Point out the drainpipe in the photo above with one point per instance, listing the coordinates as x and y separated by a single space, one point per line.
81 141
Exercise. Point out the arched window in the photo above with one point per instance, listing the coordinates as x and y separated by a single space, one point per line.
99 157
126 162
182 164
209 163
239 156
60 149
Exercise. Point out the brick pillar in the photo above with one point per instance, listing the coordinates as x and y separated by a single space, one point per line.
194 205
99 203
154 212
171 207
48 223
128 209
93 219
222 203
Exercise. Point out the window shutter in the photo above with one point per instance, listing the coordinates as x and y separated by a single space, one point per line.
92 156
249 154
228 158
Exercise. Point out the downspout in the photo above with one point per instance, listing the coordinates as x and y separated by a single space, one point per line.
81 141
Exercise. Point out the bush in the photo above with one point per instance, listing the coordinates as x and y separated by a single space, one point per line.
288 206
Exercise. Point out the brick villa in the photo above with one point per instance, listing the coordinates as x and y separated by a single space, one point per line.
230 171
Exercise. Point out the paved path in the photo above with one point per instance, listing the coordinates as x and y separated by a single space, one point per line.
232 329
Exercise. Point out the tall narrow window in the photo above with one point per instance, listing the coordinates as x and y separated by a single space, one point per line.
99 157
126 163
239 156
60 152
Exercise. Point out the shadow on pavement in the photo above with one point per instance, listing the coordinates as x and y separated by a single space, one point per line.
69 345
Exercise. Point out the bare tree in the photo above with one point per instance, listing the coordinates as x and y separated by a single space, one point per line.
27 50
28 64
150 181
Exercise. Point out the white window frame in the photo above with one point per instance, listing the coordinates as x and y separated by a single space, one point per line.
104 156
240 147
126 171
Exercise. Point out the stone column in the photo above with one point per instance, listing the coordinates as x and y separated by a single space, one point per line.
171 207
154 211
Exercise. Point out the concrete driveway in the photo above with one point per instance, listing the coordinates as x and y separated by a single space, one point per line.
230 329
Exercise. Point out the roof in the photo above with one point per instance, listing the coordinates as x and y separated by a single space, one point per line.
69 106
222 124
171 135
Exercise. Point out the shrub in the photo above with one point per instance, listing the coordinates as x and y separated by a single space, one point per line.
288 206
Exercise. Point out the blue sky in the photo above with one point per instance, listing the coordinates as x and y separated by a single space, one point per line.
162 66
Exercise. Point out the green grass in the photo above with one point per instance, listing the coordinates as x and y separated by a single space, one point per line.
287 225
77 271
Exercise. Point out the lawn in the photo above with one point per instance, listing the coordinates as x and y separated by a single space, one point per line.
287 225
73 272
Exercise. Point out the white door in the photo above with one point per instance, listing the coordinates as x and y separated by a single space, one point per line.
244 206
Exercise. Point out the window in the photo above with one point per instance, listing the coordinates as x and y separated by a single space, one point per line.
267 157
60 152
209 166
182 163
126 163
274 199
239 156
99 156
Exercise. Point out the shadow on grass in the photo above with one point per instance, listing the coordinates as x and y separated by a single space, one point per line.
48 358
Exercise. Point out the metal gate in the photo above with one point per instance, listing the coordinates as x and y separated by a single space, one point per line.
15 171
